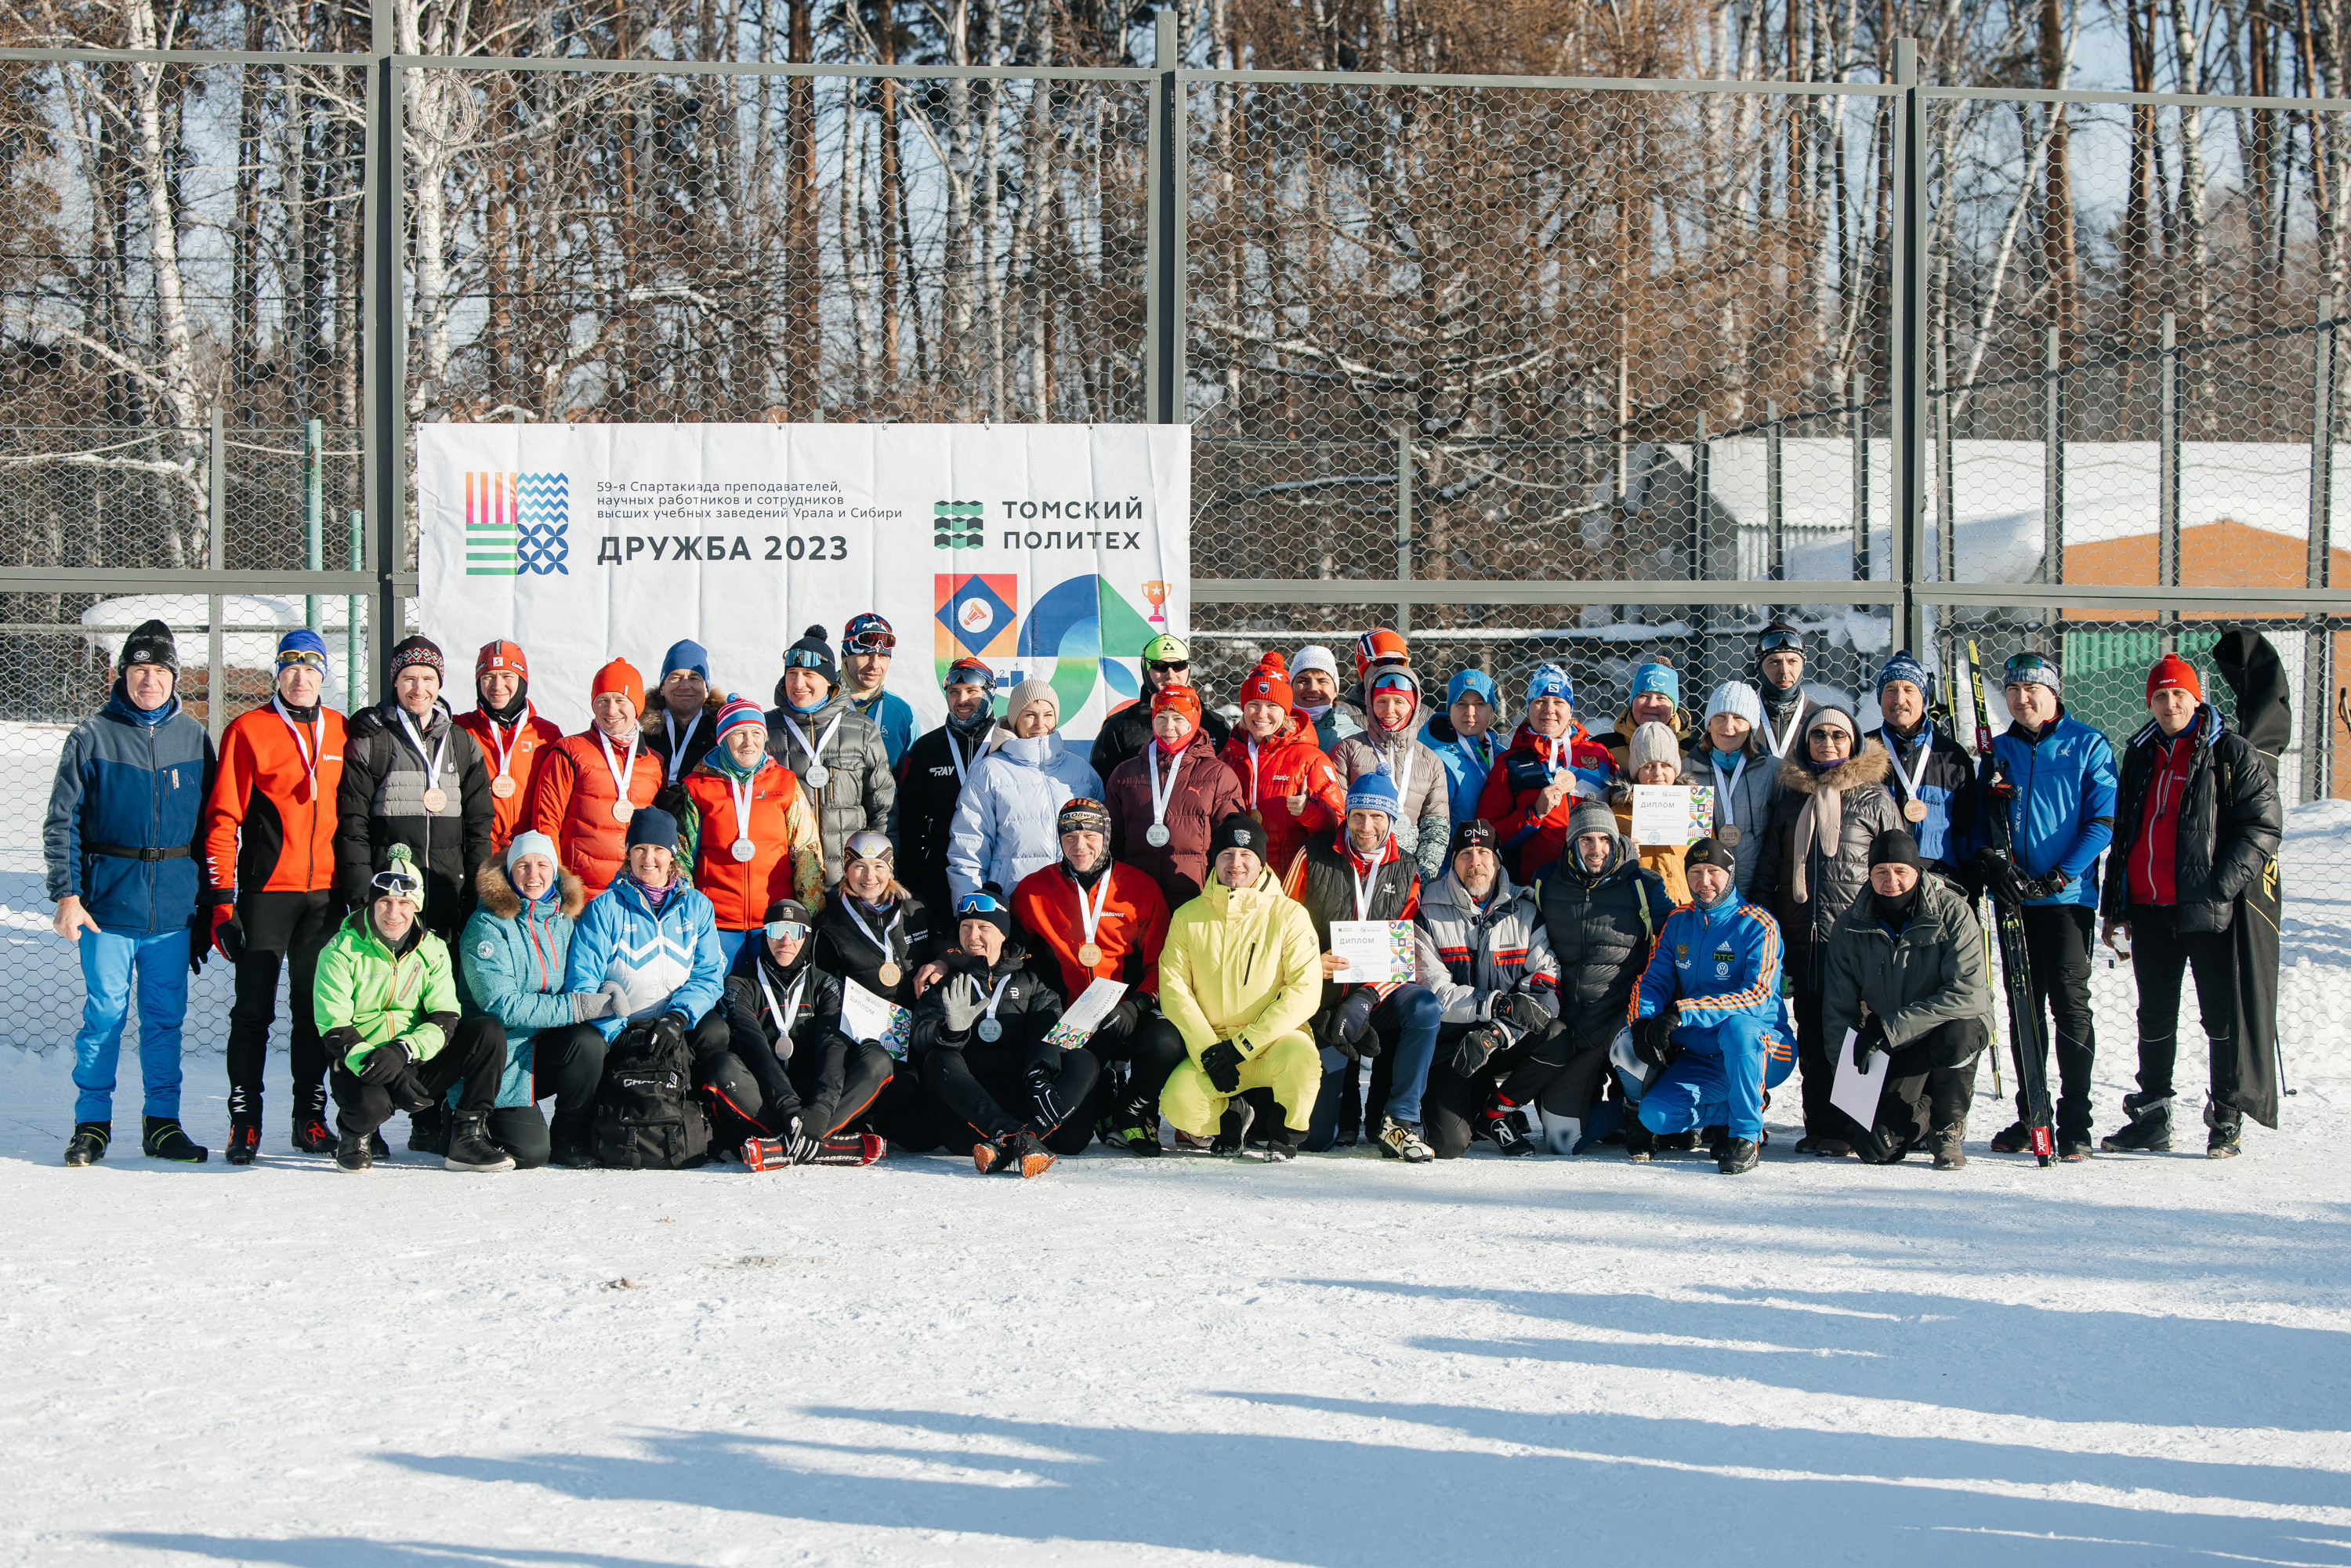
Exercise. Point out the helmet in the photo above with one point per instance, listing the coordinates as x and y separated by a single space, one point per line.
1379 646
867 633
1164 649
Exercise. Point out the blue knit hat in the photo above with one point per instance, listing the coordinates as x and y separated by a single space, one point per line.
1550 681
651 825
1903 666
1375 791
1469 679
302 646
1655 677
687 654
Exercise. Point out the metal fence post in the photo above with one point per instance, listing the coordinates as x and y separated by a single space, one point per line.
354 625
1947 484
385 455
1860 477
2052 461
1906 325
1404 524
2319 650
1775 513
2167 546
1702 459
216 660
314 515
1164 234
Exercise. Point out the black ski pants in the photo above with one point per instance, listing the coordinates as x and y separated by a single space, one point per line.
2161 956
827 1084
1544 1070
2057 947
986 1088
566 1063
1928 1085
471 1058
1816 1058
1137 1053
279 928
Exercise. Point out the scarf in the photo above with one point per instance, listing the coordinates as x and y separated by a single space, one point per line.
505 717
1896 911
1821 823
977 724
1314 711
655 896
719 756
1086 878
300 714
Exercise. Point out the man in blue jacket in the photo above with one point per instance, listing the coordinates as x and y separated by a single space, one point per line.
121 842
654 939
2060 817
1709 1032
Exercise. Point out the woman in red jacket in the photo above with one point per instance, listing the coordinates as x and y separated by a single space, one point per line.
591 784
1284 777
1164 801
748 829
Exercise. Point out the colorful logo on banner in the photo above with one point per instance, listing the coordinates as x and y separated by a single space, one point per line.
1081 631
516 524
958 525
977 615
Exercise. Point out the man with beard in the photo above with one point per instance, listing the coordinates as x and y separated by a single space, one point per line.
783 1020
931 778
509 734
1091 918
1480 950
1907 973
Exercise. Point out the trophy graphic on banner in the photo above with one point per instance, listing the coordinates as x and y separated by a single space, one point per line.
1156 593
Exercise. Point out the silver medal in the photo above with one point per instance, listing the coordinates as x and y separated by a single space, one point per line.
817 775
743 848
990 1030
1157 836
1730 835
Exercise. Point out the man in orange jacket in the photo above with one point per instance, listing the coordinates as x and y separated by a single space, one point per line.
589 785
510 733
269 863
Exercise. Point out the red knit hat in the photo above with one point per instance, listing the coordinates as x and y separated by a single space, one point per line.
619 675
1184 699
2172 671
1268 682
501 656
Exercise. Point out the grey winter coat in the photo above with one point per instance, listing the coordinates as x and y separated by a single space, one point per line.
1746 806
858 787
1468 957
1007 820
1834 875
1933 974
1425 823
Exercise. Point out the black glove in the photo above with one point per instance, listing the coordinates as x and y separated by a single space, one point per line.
800 1141
1121 1025
2050 886
1521 1014
409 1094
1222 1064
1352 1019
1870 1036
200 946
2000 877
1475 1049
386 1062
1653 1037
1050 1112
669 1034
228 932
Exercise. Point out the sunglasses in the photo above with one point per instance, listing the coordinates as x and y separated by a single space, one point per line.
803 659
299 657
393 884
787 930
1178 667
1783 642
979 903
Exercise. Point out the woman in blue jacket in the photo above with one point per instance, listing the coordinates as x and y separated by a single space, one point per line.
511 969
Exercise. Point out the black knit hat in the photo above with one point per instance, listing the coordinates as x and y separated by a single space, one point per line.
1711 852
788 909
416 650
1895 846
651 825
151 644
813 652
1238 830
1477 833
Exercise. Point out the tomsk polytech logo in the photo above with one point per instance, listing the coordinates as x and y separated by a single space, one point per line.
518 524
958 525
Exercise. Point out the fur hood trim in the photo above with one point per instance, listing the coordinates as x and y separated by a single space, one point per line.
499 897
1870 765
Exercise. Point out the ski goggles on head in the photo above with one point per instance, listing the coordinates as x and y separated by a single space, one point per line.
396 884
870 643
787 931
1781 642
299 658
981 903
797 658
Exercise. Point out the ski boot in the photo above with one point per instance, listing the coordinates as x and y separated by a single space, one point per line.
2016 1138
2073 1151
2227 1125
88 1145
1506 1126
428 1130
1640 1143
2148 1131
1948 1154
1232 1132
468 1148
1738 1156
1135 1130
313 1137
351 1153
1401 1140
162 1138
244 1140
1028 1152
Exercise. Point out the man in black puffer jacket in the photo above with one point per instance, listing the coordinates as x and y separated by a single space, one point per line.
2197 820
411 776
930 782
1601 910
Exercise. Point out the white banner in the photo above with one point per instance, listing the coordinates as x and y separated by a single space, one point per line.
1051 551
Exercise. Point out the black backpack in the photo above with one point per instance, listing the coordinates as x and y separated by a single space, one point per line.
647 1117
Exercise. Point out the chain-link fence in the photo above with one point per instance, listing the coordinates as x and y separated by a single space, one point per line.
1581 372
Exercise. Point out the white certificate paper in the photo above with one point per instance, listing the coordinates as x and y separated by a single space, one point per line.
1083 1017
865 1016
1377 951
1672 814
1855 1092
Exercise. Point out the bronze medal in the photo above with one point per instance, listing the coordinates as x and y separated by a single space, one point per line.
436 801
1915 810
1088 955
502 786
887 974
1730 835
622 810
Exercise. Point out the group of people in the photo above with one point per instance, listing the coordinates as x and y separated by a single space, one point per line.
836 937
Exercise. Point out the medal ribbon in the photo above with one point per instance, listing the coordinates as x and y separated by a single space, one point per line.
784 1014
621 770
1091 915
514 732
1364 884
1917 776
742 798
1723 792
440 754
310 747
815 750
897 917
1160 797
678 744
1780 742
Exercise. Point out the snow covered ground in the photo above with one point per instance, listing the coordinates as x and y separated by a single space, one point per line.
1337 1362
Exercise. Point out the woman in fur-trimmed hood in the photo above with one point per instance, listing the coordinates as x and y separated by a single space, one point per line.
1833 803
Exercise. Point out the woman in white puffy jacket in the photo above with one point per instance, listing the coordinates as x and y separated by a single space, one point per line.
1004 823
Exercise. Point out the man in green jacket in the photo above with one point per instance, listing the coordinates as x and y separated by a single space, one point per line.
1906 975
387 1003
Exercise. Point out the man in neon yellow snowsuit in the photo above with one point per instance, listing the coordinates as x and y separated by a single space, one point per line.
1239 977
387 1005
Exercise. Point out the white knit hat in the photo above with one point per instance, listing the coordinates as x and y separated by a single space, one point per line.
1652 742
1315 657
1738 699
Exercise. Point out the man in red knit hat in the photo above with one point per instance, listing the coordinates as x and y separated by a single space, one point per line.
510 733
589 785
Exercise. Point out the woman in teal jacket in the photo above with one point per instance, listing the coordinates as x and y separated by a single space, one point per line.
510 971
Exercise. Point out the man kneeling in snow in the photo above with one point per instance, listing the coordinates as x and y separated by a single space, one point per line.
387 1003
1709 1033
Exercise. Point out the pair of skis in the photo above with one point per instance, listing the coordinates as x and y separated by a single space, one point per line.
2028 1045
835 1149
